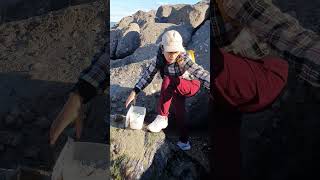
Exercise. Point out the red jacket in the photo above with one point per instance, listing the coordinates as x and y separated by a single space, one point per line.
249 85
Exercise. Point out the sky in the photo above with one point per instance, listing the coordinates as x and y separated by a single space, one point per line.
120 9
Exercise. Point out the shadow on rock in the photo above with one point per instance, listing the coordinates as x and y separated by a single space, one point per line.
27 110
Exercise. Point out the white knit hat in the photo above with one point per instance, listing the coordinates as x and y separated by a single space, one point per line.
172 41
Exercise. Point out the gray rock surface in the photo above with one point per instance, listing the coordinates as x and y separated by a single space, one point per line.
141 17
114 38
128 41
41 59
192 15
137 154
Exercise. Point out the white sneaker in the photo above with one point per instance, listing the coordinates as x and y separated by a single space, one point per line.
161 122
184 146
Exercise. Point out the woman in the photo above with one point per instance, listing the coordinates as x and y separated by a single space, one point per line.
180 80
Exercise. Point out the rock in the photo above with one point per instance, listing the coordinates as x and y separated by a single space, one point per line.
165 11
141 17
192 15
199 14
129 40
124 22
151 33
114 38
200 43
10 138
137 154
132 152
141 54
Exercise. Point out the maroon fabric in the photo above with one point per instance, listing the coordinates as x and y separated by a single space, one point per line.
250 85
175 90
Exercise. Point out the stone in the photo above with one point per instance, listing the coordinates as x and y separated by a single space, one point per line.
192 15
141 17
124 22
133 151
114 38
129 41
138 154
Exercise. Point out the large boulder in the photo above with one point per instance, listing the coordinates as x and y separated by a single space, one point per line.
138 154
192 15
151 33
129 40
201 45
141 17
124 22
165 11
132 152
142 53
114 38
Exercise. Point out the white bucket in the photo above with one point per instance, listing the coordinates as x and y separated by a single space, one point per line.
135 117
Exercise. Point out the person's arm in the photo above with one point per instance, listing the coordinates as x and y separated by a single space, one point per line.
95 77
283 33
196 70
147 76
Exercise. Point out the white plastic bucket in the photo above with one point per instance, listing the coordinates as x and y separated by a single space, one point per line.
135 117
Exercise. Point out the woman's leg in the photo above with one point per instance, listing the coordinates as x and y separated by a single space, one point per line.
172 85
166 94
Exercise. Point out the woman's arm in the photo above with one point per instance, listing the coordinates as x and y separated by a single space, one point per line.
147 76
196 70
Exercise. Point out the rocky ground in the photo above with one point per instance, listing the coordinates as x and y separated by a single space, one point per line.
41 59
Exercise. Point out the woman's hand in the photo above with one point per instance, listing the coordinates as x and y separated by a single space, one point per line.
71 112
130 98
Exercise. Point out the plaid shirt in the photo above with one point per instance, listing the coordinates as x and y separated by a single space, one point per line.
280 31
173 70
97 74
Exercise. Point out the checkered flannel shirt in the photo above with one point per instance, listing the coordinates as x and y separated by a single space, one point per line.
173 70
283 33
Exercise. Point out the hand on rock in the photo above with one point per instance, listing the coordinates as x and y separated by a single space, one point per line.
71 112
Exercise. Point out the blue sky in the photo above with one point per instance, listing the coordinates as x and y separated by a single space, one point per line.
120 9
